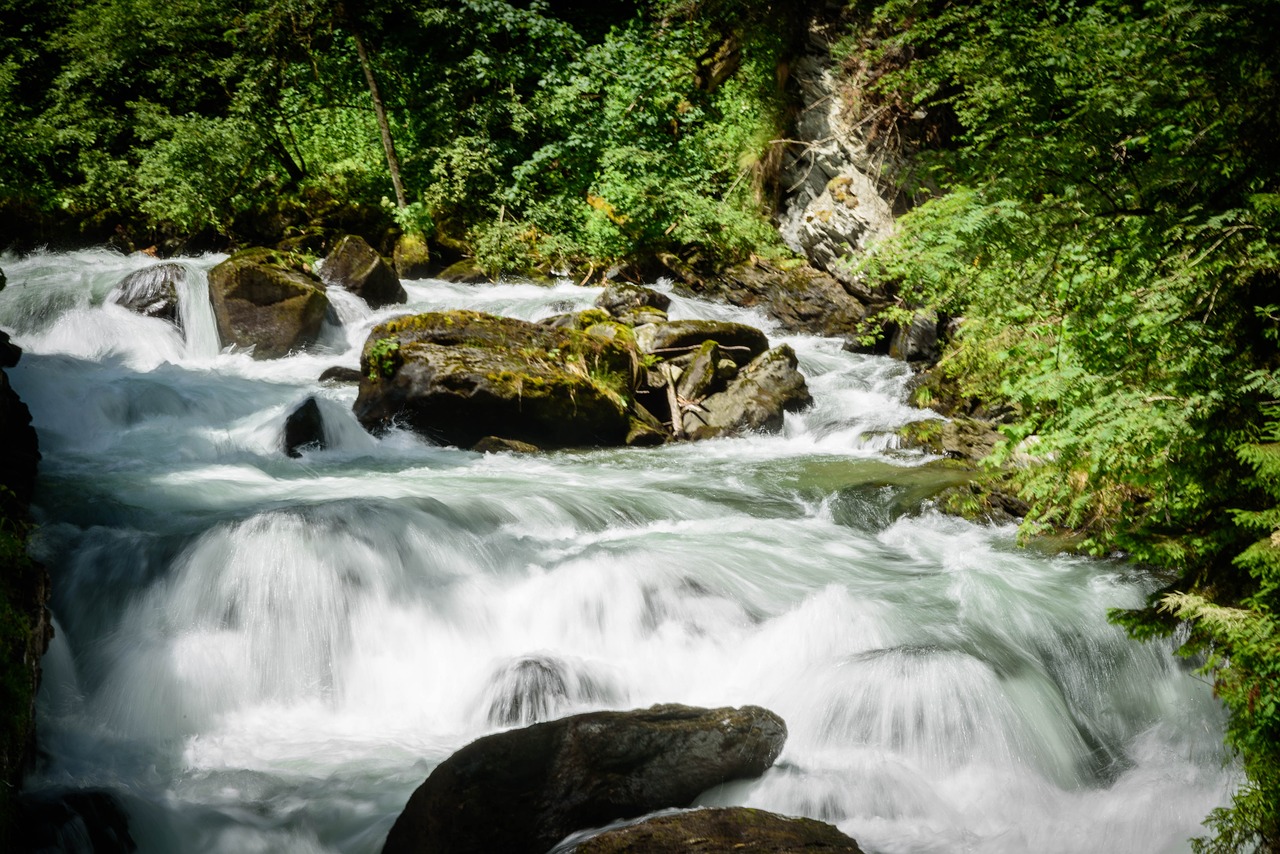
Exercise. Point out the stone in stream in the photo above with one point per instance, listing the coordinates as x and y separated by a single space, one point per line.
354 265
412 257
754 400
152 292
522 791
340 374
737 341
304 428
634 305
729 829
267 300
459 376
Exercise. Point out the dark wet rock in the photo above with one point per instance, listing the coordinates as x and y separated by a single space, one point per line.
152 292
497 444
737 341
732 829
4 280
412 258
754 400
622 298
87 822
800 300
643 435
21 452
918 340
267 300
459 376
465 272
523 791
304 428
354 265
340 374
10 353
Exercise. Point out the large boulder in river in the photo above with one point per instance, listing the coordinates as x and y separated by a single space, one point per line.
267 300
754 400
459 376
737 341
356 266
522 791
151 292
634 304
730 829
304 428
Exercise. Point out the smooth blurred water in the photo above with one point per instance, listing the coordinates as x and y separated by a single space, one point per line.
259 653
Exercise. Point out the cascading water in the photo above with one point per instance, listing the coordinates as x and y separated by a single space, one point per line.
258 653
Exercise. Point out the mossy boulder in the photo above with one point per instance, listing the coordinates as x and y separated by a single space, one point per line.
356 266
737 341
524 790
800 298
459 376
754 401
731 829
634 305
412 257
268 300
151 292
465 272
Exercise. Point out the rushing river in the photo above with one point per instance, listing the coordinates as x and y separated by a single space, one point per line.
264 654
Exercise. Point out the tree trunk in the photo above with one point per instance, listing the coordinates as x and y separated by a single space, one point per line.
393 163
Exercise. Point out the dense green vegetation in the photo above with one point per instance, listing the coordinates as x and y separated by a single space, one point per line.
536 134
1109 234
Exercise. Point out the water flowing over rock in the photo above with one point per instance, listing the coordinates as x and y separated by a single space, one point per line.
356 266
152 292
525 790
755 400
736 829
267 300
457 377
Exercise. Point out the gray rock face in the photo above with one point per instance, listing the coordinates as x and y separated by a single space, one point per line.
460 376
354 265
839 179
755 400
737 341
267 300
733 829
523 791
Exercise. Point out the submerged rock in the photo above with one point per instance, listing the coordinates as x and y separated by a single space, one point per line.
497 444
267 300
536 688
523 791
152 292
732 829
754 400
459 376
354 265
304 428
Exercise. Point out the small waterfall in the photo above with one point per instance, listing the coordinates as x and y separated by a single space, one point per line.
263 653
